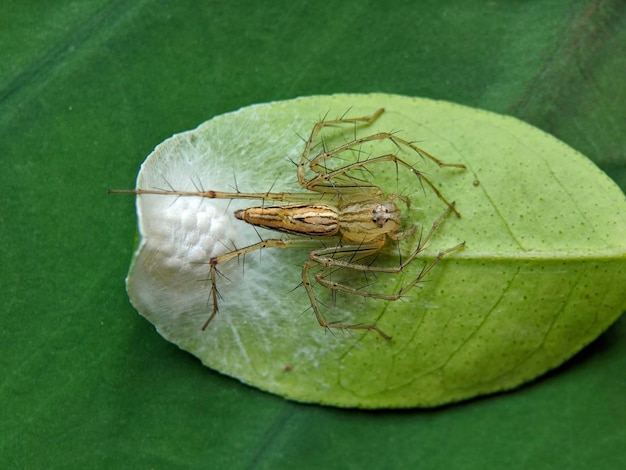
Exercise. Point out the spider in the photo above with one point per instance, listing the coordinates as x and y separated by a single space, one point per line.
352 213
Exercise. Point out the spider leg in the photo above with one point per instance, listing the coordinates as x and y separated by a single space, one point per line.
333 256
321 319
269 243
348 257
327 180
304 160
323 257
330 180
211 194
316 162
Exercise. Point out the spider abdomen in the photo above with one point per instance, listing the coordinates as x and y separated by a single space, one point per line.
313 220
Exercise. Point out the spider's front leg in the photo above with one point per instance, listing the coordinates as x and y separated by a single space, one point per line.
340 181
351 256
327 258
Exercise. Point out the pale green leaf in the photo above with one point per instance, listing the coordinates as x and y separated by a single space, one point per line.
541 276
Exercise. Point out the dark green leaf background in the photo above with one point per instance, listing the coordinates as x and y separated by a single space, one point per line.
88 88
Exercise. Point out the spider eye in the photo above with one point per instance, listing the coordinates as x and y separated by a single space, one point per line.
381 216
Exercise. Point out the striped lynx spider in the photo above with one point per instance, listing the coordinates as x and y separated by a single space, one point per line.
351 216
